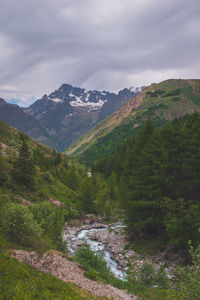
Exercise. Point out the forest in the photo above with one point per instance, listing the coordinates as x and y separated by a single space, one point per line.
150 182
157 181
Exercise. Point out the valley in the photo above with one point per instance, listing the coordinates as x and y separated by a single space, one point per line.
127 226
100 150
160 102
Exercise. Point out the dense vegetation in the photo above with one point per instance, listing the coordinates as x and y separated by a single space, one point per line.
160 102
39 190
138 282
152 180
157 178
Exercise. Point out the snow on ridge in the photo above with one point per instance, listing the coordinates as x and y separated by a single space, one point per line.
89 105
57 100
136 89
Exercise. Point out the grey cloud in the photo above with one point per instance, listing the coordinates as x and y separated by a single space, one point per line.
101 44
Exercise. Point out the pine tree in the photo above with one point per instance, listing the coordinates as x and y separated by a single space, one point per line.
24 169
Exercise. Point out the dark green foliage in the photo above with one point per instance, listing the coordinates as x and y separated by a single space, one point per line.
4 177
174 92
87 196
24 169
182 221
33 176
51 220
96 269
147 276
158 174
176 98
188 283
72 179
94 264
108 143
155 93
18 224
111 141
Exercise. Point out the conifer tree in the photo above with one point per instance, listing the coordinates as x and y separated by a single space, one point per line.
24 169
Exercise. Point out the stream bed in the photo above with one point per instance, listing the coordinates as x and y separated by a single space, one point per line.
110 241
85 234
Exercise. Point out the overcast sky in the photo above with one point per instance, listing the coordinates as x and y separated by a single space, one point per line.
95 44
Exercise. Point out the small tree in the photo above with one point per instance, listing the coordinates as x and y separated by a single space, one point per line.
19 225
188 286
4 177
24 169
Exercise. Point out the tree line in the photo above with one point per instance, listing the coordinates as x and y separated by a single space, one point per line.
158 181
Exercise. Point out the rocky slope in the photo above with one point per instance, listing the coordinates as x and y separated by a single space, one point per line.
160 102
56 264
15 116
69 112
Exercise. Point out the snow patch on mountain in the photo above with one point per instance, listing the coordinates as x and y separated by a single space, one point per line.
57 100
90 105
136 89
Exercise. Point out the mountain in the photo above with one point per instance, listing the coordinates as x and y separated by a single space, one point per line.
69 112
161 102
15 116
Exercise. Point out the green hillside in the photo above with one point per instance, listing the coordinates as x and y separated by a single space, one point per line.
161 102
39 191
153 179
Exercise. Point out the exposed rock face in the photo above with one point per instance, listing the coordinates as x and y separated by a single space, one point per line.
56 264
105 137
24 201
56 202
61 118
69 112
15 116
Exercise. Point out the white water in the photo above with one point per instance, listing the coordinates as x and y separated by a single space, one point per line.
98 248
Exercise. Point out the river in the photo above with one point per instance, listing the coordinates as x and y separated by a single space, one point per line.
76 238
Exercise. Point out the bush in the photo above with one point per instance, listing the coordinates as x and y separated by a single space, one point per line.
147 276
51 220
188 285
94 264
4 199
18 224
4 178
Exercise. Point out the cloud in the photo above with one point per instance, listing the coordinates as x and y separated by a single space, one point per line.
101 44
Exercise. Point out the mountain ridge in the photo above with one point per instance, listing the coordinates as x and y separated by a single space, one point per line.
63 116
160 101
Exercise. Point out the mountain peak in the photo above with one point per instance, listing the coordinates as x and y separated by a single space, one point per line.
2 101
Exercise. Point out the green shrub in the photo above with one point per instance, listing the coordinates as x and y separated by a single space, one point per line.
18 224
162 279
147 276
4 199
51 220
94 264
174 92
188 284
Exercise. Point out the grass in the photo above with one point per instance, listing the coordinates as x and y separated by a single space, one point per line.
21 282
96 269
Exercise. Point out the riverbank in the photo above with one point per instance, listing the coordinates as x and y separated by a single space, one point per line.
59 266
111 242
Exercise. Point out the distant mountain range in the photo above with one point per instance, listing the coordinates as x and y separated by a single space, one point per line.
15 116
160 102
61 118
